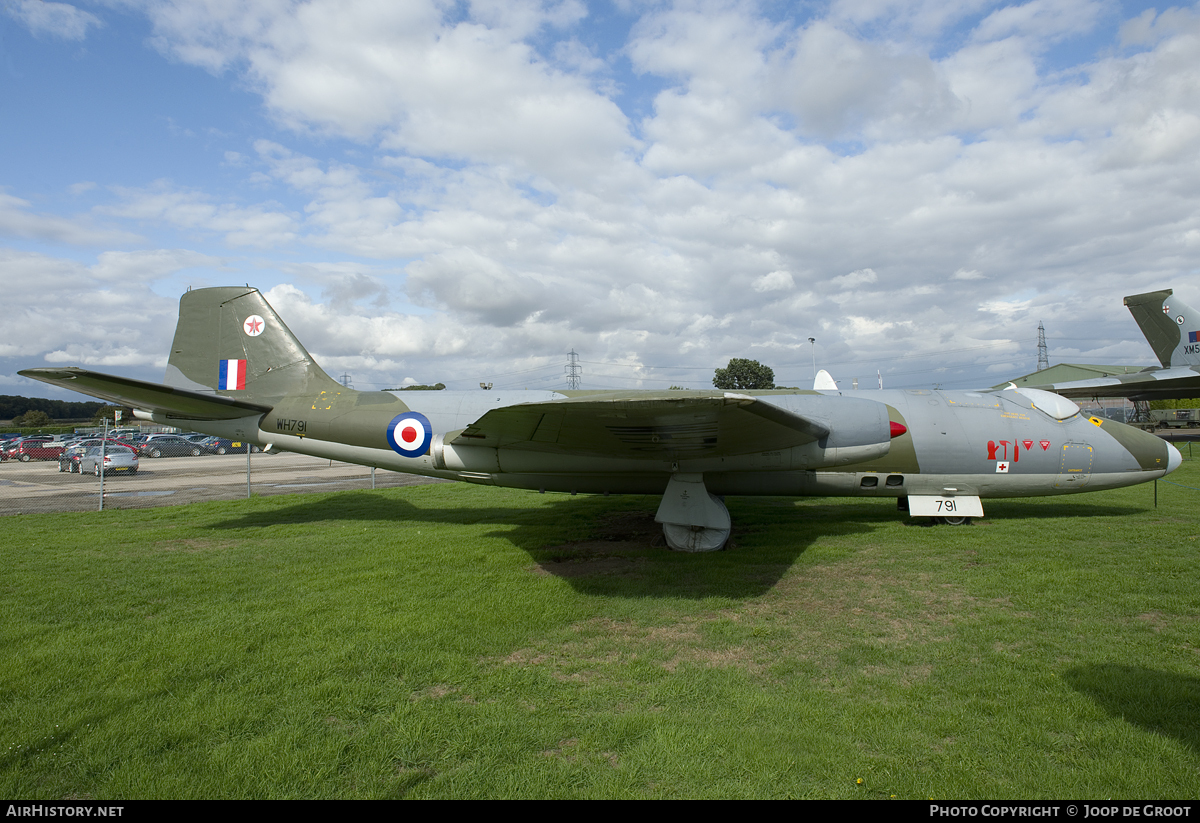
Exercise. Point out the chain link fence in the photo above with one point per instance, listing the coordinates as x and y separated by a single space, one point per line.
50 485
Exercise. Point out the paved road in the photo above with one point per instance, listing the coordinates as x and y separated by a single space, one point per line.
40 487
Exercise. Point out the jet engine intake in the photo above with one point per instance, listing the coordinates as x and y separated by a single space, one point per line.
463 458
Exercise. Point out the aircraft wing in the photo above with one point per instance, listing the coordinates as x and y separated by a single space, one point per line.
1148 384
696 425
152 397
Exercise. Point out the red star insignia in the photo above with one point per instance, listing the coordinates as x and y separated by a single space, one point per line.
253 326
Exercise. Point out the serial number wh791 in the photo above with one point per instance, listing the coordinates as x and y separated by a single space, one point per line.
298 426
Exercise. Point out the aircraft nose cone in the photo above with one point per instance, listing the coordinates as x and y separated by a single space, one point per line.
1151 452
1174 458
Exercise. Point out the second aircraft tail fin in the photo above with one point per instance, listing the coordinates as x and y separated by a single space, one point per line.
1172 327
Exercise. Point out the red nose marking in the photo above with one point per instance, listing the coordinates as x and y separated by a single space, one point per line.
898 429
409 434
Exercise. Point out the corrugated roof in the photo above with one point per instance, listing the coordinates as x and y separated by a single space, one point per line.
1066 372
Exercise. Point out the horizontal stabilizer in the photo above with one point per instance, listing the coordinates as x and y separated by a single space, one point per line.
151 397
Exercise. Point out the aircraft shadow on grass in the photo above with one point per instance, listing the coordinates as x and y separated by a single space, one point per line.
1161 702
619 551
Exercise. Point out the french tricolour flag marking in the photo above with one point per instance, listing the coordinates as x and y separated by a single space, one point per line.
232 375
410 434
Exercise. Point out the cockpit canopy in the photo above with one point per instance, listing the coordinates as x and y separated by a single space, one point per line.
1058 407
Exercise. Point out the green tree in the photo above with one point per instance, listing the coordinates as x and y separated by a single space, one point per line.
33 417
12 406
107 413
744 374
1186 403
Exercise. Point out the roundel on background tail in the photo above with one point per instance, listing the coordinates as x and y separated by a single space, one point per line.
409 434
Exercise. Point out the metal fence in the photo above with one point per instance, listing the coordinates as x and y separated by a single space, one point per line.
44 486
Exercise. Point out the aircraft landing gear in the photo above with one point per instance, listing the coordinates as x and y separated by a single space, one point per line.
693 520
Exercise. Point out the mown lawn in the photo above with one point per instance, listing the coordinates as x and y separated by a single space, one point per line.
456 641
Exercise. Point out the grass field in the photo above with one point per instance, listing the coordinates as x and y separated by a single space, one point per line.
457 641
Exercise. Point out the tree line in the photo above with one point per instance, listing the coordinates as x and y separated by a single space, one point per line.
1187 403
12 406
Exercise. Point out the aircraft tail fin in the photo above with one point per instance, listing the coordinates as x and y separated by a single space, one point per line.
230 341
1172 327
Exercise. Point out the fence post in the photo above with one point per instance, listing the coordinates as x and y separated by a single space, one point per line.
247 469
103 447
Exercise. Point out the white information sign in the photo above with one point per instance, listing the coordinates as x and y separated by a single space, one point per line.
944 506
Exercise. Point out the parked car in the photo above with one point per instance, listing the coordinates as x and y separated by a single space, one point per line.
169 445
36 449
221 445
68 461
117 460
10 447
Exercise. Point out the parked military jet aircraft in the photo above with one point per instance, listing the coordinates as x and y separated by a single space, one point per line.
235 370
1172 328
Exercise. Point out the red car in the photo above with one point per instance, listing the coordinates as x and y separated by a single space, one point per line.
36 449
9 449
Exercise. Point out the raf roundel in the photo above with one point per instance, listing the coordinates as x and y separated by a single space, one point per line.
409 434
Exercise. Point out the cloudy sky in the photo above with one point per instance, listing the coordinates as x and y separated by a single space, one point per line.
464 191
